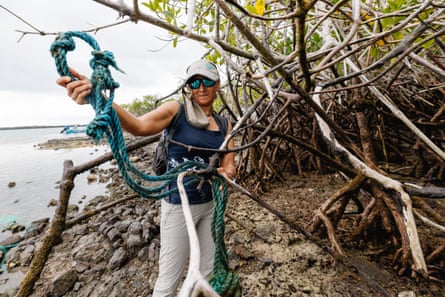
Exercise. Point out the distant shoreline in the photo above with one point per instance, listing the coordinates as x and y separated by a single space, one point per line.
39 127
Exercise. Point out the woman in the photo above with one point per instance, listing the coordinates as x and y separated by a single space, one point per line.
200 127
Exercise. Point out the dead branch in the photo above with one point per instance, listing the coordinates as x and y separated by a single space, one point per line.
53 235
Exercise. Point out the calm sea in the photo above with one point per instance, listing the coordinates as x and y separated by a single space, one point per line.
36 172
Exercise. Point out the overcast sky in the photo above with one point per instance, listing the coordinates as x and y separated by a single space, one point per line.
28 93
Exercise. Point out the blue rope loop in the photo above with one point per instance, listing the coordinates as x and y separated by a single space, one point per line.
63 44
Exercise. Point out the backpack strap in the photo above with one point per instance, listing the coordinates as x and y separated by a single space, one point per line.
174 123
224 122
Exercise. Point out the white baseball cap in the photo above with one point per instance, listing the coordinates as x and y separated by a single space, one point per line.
204 68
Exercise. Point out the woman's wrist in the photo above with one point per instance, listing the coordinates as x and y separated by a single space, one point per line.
229 174
226 173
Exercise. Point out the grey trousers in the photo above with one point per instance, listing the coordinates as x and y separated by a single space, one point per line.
175 245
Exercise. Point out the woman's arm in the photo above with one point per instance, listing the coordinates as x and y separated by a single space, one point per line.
148 124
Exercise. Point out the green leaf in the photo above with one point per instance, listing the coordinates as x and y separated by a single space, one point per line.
251 9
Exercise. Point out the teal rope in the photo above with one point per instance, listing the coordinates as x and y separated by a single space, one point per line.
4 249
106 122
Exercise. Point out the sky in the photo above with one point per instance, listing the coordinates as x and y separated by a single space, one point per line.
28 93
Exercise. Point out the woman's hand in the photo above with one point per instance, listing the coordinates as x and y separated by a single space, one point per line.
79 89
223 172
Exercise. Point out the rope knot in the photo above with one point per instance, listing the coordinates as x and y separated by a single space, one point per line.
98 126
63 42
101 74
104 58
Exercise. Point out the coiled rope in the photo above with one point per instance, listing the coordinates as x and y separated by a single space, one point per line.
107 122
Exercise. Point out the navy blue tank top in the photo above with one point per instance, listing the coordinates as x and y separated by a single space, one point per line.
198 137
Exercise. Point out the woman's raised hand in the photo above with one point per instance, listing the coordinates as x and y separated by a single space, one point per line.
78 89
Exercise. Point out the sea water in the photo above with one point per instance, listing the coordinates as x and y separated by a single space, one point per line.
35 174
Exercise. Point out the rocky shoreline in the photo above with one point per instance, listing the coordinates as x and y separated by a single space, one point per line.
115 252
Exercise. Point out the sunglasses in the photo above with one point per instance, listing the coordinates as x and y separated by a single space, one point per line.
196 83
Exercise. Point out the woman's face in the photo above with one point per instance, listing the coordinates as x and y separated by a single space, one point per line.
203 95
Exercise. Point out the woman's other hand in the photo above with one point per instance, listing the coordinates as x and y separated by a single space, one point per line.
226 174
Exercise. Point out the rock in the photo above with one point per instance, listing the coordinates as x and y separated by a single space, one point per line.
52 202
104 228
153 250
243 252
92 178
265 230
147 234
40 222
80 267
134 159
91 249
143 253
114 219
26 255
63 283
114 235
135 228
11 184
36 227
16 238
9 284
126 212
118 259
122 226
16 228
104 179
134 241
73 208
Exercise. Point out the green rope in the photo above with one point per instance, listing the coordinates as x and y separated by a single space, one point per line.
4 249
223 281
107 122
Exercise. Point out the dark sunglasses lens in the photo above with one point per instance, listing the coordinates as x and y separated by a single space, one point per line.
194 84
208 82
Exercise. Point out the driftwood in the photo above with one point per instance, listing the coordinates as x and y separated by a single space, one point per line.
426 192
53 235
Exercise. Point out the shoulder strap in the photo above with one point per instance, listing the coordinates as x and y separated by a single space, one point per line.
223 121
174 122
